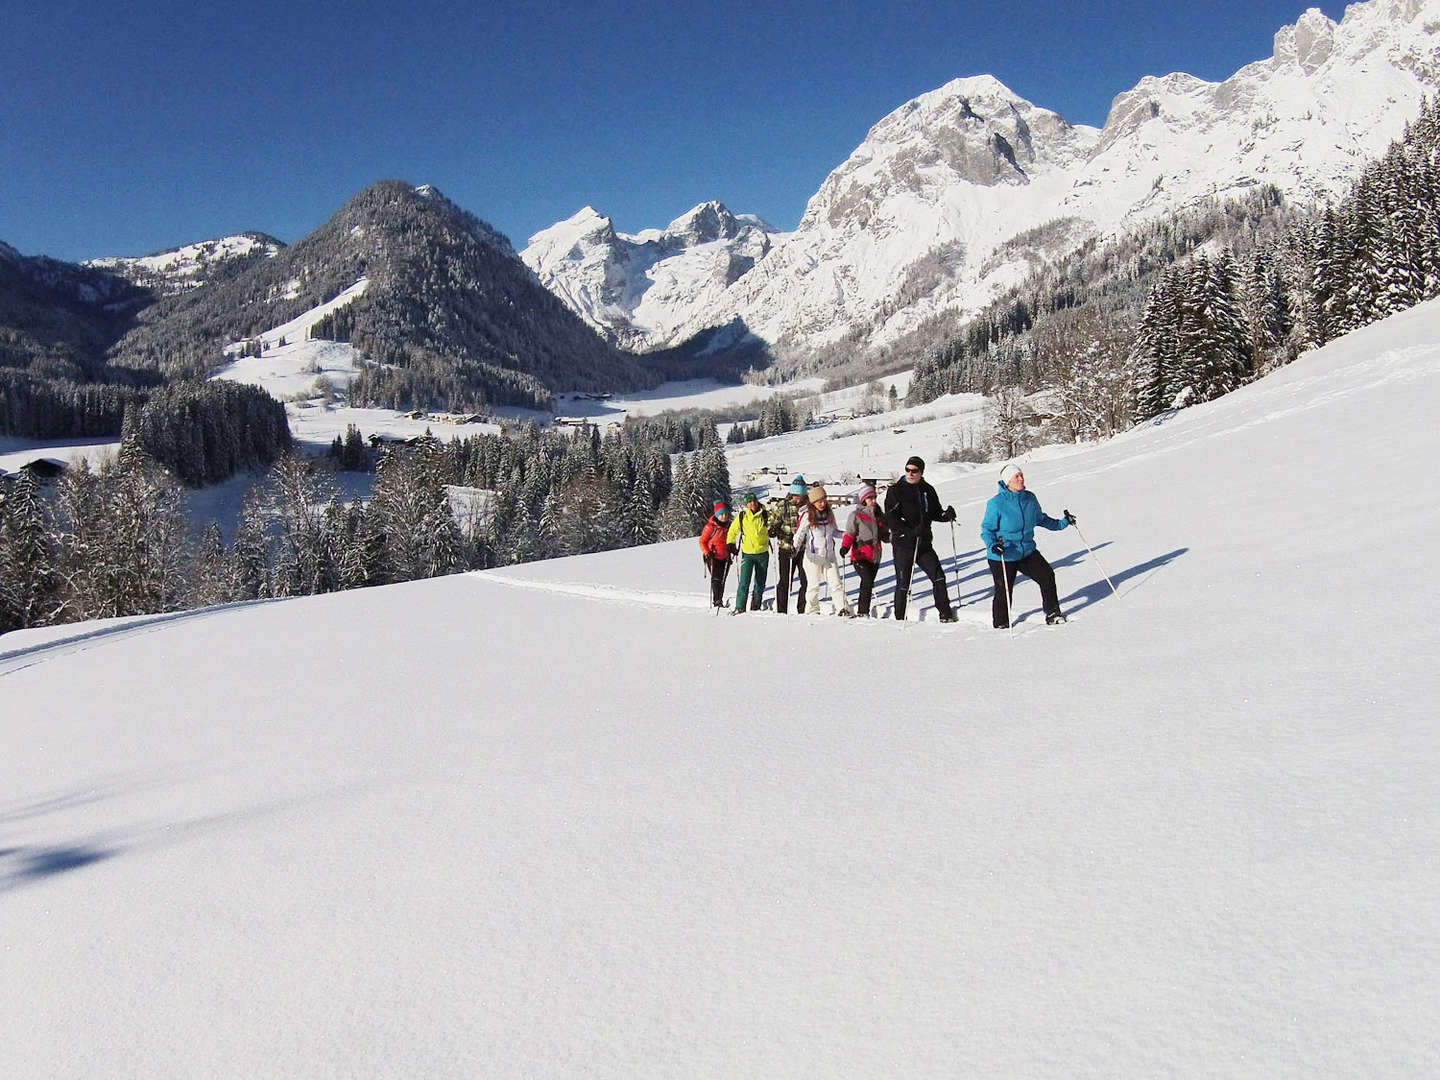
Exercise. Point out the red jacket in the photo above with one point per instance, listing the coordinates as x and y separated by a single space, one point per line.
712 539
862 541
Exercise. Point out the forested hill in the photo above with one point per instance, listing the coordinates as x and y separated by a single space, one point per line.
57 320
451 317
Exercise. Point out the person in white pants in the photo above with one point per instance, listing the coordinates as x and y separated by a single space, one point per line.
815 539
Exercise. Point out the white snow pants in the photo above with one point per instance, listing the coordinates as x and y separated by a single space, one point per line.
814 570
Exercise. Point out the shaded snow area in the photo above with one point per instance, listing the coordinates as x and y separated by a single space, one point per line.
561 821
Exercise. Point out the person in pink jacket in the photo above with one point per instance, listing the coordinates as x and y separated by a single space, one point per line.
864 542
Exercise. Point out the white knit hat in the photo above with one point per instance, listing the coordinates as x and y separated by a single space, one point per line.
1009 472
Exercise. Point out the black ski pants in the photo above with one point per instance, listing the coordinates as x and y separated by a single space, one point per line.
1037 570
866 572
905 555
719 571
790 565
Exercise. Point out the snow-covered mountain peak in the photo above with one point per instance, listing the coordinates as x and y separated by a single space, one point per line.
192 265
705 223
923 216
571 238
636 289
1308 44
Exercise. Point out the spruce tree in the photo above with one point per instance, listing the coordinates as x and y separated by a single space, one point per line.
28 576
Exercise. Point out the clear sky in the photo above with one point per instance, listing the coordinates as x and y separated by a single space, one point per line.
127 128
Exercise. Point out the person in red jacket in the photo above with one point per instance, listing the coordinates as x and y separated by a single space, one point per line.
716 553
863 542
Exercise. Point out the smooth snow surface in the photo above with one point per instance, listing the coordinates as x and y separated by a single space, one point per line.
561 821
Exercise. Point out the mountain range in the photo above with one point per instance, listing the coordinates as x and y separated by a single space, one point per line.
952 199
957 195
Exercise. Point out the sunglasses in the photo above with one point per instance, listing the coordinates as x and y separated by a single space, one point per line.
911 468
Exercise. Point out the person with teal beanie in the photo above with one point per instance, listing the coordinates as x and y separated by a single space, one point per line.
1008 530
784 520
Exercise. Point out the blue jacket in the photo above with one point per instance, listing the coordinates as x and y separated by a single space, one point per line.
1012 516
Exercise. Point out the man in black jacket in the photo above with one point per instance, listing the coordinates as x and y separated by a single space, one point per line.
910 507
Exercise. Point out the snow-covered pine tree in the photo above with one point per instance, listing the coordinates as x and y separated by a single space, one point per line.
250 553
714 482
214 577
640 521
1153 353
28 579
303 561
125 539
1329 279
413 510
675 519
1230 341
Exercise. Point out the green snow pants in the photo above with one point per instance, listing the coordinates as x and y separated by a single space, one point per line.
757 566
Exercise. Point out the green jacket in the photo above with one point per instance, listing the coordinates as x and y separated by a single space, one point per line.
784 520
751 532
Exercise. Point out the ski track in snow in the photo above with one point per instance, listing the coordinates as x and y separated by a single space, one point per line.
609 593
28 656
973 615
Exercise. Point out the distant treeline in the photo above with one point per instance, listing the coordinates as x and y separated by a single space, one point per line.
117 541
33 407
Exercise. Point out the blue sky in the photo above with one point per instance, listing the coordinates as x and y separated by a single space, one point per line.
129 128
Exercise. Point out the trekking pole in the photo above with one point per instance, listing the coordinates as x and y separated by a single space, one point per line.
1005 588
955 565
1091 550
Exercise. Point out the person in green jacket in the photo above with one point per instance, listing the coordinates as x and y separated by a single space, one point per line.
750 536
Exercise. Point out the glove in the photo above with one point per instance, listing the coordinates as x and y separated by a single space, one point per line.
998 547
845 546
733 550
708 561
1069 518
949 514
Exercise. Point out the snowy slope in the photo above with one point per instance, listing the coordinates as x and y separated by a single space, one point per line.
560 821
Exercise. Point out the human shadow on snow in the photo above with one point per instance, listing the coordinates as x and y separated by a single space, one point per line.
976 585
30 864
1098 591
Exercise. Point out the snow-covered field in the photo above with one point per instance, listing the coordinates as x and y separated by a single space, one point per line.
684 394
561 821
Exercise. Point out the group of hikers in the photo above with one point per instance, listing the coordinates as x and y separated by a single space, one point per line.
810 545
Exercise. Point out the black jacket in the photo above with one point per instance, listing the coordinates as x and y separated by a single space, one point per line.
909 510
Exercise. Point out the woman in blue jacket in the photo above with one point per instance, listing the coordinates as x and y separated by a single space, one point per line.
1008 530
